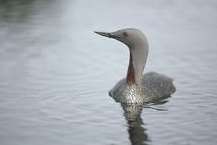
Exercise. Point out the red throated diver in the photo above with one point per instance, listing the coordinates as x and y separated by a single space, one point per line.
136 87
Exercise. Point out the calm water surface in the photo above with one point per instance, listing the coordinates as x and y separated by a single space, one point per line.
56 73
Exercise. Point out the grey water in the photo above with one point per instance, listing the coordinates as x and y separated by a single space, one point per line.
55 73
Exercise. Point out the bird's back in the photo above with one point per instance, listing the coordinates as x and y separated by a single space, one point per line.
157 86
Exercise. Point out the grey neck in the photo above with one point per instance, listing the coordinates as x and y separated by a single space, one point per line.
138 57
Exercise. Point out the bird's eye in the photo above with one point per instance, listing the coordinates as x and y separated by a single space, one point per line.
125 34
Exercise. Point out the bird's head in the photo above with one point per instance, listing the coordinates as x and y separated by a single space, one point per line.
129 36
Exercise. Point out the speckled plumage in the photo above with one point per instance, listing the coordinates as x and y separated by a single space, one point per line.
154 86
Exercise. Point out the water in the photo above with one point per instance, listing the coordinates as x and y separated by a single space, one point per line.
56 73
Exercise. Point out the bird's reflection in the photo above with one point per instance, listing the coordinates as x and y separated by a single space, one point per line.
137 133
132 112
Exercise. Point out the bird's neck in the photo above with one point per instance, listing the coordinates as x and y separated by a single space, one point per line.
138 57
131 72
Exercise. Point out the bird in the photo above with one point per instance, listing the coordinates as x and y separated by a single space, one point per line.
137 87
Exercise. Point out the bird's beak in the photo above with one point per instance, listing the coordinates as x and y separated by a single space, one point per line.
106 34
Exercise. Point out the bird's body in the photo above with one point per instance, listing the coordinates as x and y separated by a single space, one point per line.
154 86
138 87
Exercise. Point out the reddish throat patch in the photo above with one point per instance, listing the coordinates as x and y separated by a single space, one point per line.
131 72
